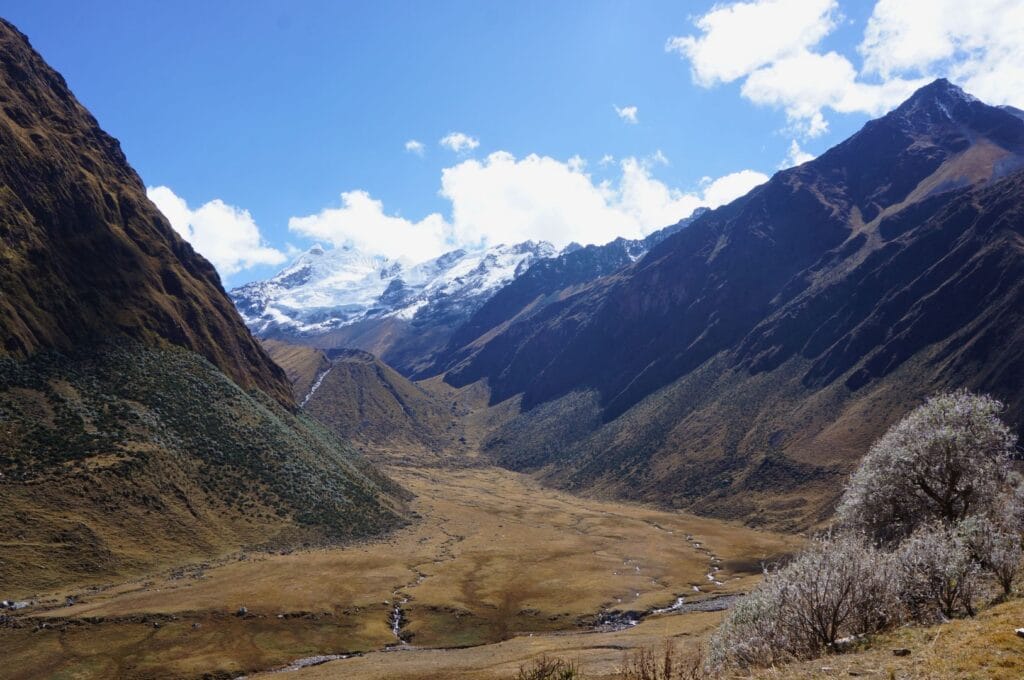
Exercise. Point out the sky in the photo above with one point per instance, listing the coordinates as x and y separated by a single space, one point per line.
406 129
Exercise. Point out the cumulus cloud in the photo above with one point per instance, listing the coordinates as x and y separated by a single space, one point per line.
795 156
978 45
739 38
225 235
459 142
627 113
415 146
724 189
773 47
504 199
361 222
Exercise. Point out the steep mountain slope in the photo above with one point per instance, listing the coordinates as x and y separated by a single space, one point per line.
745 362
548 280
84 255
402 312
141 425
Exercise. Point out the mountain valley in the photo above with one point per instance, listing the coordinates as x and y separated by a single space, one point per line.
376 467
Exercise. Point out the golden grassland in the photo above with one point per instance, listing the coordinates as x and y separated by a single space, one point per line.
599 655
493 558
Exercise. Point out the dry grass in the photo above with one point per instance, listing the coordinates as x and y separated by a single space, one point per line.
981 648
302 364
599 656
496 557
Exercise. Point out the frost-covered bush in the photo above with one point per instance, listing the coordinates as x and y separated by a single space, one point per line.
838 587
938 573
996 547
948 459
753 634
996 540
932 504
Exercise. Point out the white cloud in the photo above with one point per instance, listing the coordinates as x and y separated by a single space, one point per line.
772 45
416 147
795 156
362 222
627 113
978 44
502 199
741 37
728 187
225 235
577 163
805 83
606 159
459 142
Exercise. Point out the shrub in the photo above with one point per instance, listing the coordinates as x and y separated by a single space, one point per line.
995 540
946 460
647 664
754 633
547 668
839 587
938 574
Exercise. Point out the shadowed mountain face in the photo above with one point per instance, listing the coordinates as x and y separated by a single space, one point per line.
548 280
84 255
825 302
141 425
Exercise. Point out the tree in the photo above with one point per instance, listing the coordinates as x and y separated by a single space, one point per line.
946 460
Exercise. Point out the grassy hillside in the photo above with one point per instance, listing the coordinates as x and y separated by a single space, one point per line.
124 458
84 254
302 364
365 401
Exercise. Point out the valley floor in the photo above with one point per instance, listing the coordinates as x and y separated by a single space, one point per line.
496 566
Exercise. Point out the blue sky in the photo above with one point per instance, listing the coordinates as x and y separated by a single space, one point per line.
250 114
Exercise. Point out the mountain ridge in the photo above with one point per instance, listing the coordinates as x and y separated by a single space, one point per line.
815 288
67 282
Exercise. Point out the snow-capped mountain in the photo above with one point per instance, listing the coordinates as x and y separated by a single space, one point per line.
326 289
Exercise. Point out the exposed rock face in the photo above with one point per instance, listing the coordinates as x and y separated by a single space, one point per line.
84 255
756 353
